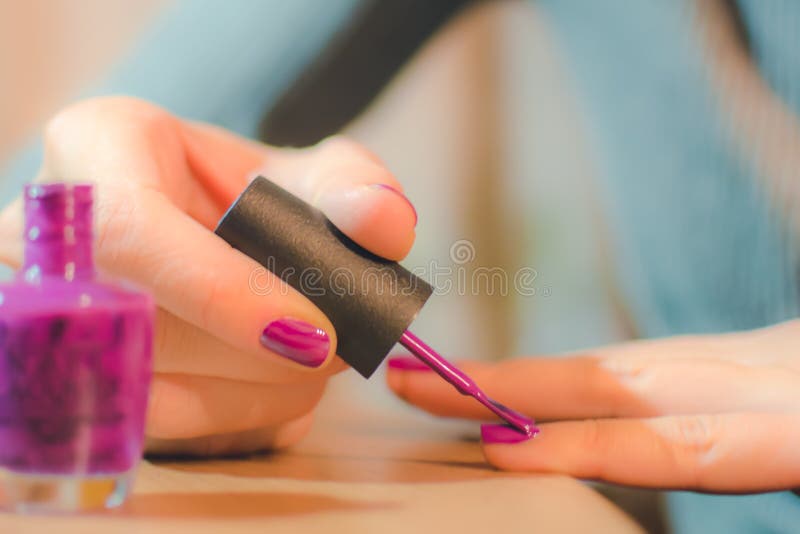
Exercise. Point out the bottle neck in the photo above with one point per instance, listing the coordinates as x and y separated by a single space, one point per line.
58 232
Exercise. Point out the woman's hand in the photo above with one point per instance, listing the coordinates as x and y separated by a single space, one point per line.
715 413
230 375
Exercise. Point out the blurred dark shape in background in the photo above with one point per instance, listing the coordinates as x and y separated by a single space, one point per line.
360 61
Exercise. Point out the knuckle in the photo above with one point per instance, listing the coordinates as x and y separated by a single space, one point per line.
102 111
693 441
98 122
697 434
601 386
63 123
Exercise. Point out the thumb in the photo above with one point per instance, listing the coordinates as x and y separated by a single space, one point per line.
354 190
338 176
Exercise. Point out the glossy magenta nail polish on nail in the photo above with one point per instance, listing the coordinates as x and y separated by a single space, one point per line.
493 433
399 193
75 365
407 363
297 340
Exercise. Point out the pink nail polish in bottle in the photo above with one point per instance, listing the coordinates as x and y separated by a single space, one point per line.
75 366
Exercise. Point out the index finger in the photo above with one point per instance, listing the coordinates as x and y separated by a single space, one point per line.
660 377
722 453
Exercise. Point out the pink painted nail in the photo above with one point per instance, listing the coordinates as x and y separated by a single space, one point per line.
399 193
407 363
494 433
296 340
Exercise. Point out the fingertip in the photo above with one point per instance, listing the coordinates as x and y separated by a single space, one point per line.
398 384
400 369
356 192
376 216
292 432
395 380
397 194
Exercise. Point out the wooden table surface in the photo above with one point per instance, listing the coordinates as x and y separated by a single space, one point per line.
359 470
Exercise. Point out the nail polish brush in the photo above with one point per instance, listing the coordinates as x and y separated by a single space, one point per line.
463 383
370 301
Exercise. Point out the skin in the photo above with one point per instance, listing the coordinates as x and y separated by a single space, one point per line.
162 184
717 413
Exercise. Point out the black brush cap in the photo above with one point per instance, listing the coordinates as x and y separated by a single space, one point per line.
371 301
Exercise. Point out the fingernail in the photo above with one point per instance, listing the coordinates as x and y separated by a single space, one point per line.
385 187
407 363
503 434
297 340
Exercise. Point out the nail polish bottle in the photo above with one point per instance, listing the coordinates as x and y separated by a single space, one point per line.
75 366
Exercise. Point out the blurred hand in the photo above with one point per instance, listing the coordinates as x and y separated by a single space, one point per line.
715 413
234 370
